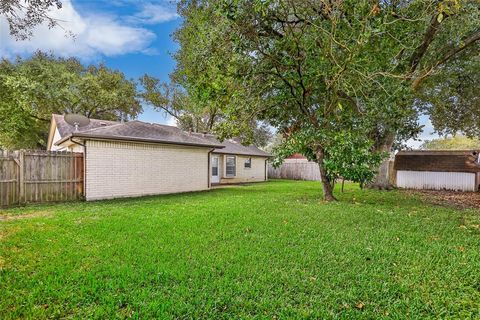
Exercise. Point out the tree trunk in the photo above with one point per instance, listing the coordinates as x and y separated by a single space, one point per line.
326 183
382 179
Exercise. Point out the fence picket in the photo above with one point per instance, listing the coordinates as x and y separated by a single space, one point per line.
40 176
295 171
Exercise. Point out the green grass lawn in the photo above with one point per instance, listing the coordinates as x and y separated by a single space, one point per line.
268 250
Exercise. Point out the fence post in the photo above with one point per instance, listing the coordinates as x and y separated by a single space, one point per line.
21 175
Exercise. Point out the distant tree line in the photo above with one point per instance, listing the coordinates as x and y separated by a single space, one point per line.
34 88
457 142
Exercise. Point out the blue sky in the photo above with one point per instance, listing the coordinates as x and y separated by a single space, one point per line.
134 36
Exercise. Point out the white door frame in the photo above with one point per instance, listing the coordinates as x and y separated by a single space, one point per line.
215 161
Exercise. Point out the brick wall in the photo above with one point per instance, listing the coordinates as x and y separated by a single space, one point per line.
254 174
124 169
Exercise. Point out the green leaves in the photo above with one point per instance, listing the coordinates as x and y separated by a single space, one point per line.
452 143
32 89
451 97
449 7
440 17
350 157
22 18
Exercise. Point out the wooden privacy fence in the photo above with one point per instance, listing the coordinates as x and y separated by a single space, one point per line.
40 176
295 171
309 171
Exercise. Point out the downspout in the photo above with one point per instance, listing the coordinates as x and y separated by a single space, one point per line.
84 165
266 160
209 168
77 143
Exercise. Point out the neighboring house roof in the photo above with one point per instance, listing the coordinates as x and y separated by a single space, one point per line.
438 160
151 132
297 156
234 147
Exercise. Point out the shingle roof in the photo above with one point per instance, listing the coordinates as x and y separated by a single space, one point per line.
151 132
131 131
438 152
234 147
65 129
439 161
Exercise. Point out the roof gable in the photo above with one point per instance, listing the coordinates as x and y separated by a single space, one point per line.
65 129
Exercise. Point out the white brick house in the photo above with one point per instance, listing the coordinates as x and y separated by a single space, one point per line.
137 158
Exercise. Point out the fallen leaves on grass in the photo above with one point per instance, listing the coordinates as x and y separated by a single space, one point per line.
26 216
360 305
463 200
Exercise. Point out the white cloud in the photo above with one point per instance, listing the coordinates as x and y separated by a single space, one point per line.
95 34
155 13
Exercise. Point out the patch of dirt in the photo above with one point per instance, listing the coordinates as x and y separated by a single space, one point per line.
25 216
462 200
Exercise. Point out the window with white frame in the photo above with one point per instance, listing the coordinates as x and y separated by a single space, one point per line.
230 166
248 163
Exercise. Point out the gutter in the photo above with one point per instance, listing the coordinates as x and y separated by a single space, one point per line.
74 142
134 139
209 168
245 154
266 171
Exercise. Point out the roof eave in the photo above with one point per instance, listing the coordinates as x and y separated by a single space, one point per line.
64 139
245 154
134 139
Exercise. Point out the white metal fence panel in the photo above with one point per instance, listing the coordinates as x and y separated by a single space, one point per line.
456 181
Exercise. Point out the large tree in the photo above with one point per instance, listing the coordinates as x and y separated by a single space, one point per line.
446 33
452 98
317 69
24 15
32 89
193 115
175 102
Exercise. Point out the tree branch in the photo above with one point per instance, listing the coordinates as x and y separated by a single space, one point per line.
470 40
418 54
449 54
